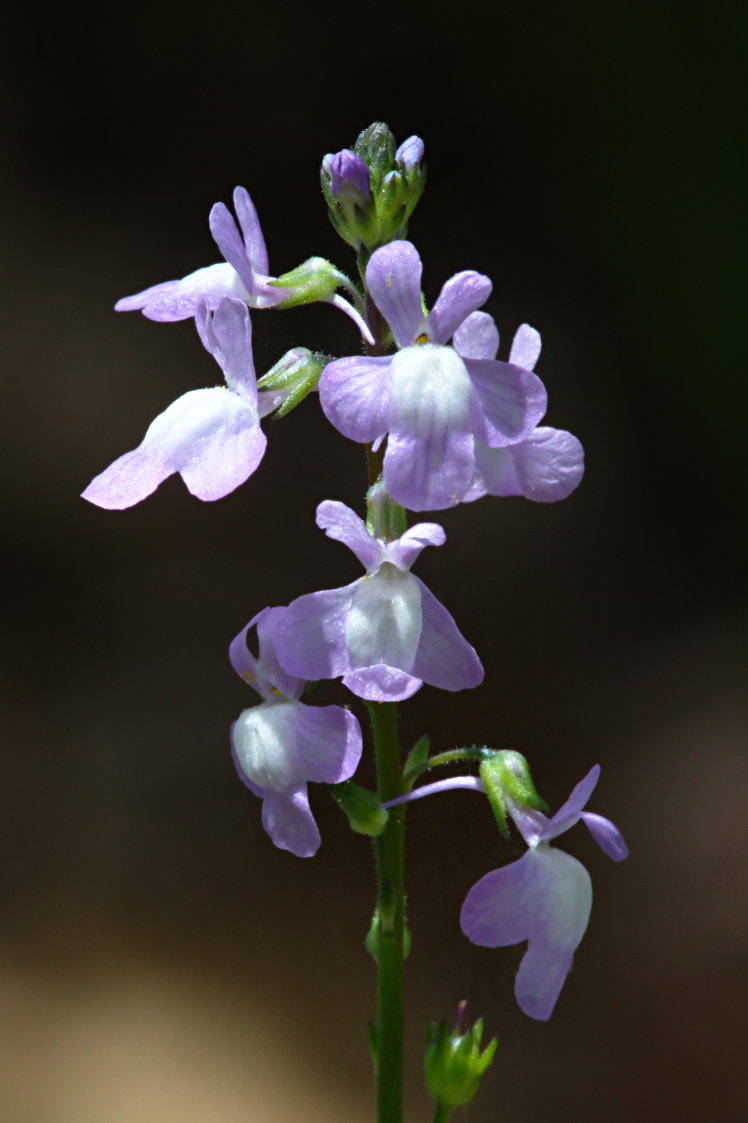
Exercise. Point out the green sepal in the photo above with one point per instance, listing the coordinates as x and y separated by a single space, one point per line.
315 279
506 777
418 755
365 813
454 1062
294 376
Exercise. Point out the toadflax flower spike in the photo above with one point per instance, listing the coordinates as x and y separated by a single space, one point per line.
282 744
385 633
211 437
544 898
435 404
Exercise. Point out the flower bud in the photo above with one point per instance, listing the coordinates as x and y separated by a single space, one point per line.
454 1063
350 179
410 154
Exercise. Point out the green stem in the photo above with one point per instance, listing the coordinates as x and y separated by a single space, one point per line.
442 1113
389 849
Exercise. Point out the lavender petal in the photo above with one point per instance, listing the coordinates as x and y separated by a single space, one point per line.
509 401
459 297
328 742
525 350
179 300
606 835
355 395
444 657
382 683
393 277
477 337
310 639
342 524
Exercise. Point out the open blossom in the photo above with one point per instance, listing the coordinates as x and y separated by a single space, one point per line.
546 466
544 898
243 274
280 745
436 405
386 634
211 437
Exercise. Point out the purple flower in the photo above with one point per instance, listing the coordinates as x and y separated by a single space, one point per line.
435 404
211 437
282 744
385 633
547 465
544 898
242 275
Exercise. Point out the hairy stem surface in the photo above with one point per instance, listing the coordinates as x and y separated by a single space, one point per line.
390 917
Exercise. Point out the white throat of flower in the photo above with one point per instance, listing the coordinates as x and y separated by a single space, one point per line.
384 621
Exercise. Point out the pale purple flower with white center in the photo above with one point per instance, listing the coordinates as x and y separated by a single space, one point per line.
243 275
386 634
282 744
434 405
546 466
544 898
211 437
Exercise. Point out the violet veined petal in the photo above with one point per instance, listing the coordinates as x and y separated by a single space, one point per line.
499 910
510 401
328 742
429 462
227 335
568 814
210 437
546 467
383 623
287 818
444 657
244 662
540 979
460 296
229 241
525 350
404 551
381 683
355 395
393 277
179 300
310 639
264 740
606 835
529 822
477 337
252 231
344 525
544 897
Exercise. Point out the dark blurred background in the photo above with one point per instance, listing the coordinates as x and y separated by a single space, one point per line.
160 961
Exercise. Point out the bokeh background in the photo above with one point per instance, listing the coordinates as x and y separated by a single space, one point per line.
159 960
